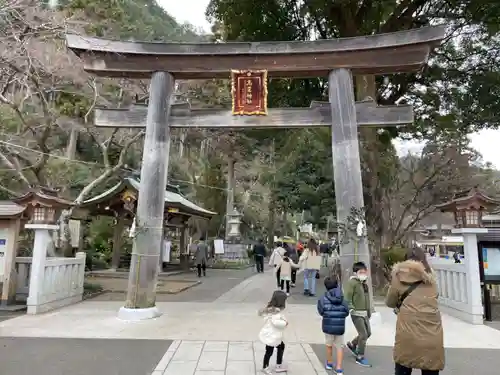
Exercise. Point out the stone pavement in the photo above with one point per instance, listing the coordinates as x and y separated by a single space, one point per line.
233 357
228 322
213 286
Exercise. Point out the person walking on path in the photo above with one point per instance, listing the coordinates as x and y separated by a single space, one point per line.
310 262
275 261
294 256
334 311
419 331
324 249
286 267
272 333
201 257
358 299
259 251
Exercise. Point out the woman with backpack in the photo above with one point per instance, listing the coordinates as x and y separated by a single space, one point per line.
413 295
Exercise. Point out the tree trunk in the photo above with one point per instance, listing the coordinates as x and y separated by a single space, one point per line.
117 243
71 148
371 149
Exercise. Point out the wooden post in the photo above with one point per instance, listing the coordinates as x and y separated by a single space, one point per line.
9 230
141 293
230 191
346 164
117 242
183 251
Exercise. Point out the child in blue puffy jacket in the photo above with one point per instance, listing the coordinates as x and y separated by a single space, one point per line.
334 310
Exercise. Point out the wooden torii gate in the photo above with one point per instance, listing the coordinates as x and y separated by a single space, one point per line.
163 63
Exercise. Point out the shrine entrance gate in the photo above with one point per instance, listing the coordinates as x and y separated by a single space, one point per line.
163 63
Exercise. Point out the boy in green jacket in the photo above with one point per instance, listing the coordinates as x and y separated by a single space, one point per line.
357 296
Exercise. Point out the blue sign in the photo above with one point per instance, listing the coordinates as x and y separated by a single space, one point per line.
3 241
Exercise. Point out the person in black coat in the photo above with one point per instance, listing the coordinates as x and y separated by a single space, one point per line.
334 311
259 252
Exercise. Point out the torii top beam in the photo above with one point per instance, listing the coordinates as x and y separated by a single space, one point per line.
402 51
368 114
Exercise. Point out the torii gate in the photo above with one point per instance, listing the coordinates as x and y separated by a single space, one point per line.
399 52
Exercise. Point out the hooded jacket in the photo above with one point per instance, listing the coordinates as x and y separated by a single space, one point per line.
334 310
419 331
273 330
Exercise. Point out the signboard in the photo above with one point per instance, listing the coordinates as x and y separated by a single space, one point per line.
218 246
249 91
491 264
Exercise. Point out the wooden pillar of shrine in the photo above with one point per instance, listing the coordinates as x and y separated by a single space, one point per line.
141 292
346 165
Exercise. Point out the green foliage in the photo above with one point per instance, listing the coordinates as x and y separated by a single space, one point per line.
393 255
72 103
305 180
213 194
131 19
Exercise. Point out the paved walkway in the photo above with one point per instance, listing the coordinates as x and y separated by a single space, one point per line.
233 357
218 333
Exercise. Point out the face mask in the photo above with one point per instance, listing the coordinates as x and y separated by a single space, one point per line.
362 277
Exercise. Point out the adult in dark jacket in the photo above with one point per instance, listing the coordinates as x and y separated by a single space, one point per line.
325 251
259 252
334 311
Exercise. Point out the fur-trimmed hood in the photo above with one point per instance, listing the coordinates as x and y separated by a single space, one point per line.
411 271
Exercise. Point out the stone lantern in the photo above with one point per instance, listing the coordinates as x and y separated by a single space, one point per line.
43 206
233 222
468 208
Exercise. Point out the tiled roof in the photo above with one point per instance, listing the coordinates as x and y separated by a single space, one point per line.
8 209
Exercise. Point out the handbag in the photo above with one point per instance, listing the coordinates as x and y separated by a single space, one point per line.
406 293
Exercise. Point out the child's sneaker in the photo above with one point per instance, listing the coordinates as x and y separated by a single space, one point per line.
352 349
267 371
280 368
363 362
329 366
339 371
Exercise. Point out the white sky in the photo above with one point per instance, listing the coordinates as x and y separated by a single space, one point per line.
487 142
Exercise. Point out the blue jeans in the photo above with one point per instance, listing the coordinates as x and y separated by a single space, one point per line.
312 275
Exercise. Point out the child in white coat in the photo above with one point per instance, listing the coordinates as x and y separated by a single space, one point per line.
275 261
271 335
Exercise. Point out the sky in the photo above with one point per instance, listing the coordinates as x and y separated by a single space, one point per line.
487 142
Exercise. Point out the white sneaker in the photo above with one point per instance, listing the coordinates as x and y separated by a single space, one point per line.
288 294
267 371
280 368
